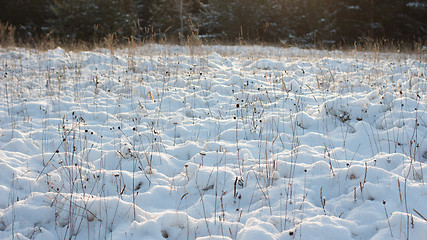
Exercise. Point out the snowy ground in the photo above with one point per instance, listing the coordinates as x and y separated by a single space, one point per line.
212 143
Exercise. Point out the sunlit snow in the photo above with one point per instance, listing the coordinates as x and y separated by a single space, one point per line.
245 142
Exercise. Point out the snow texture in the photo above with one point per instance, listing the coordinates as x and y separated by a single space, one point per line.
212 143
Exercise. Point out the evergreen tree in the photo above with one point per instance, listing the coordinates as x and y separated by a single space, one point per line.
398 20
389 19
351 20
142 12
298 21
247 19
174 16
29 16
92 19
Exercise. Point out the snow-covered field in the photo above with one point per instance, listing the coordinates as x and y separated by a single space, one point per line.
212 142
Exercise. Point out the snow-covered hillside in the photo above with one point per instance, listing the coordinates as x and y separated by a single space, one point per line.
168 142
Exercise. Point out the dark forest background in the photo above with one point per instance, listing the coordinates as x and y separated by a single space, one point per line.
325 22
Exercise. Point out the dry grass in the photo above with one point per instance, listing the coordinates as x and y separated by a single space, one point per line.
193 40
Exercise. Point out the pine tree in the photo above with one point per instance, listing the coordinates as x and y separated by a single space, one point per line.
244 19
29 16
174 16
142 12
398 20
92 19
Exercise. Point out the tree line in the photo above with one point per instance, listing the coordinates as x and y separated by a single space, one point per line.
294 21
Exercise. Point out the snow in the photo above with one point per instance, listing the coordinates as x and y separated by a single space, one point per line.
212 142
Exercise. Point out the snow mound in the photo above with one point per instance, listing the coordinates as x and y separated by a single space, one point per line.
220 142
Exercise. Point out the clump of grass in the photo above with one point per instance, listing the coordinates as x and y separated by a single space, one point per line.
7 35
